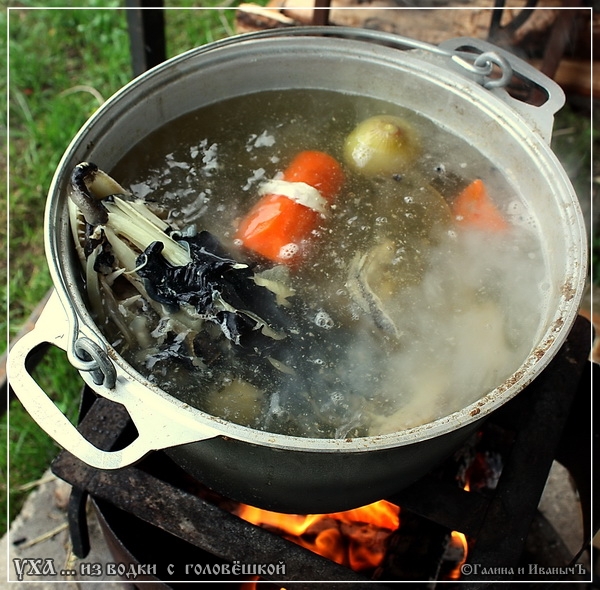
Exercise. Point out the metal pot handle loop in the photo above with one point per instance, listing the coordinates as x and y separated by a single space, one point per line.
540 117
483 65
88 356
159 422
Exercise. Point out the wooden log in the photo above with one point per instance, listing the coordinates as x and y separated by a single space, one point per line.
578 76
415 550
250 18
470 18
467 18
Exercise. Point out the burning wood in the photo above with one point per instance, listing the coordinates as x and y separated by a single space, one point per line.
355 538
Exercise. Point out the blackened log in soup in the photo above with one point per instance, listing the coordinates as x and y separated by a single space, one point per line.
403 296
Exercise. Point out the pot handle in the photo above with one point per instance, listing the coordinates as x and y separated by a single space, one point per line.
541 117
160 422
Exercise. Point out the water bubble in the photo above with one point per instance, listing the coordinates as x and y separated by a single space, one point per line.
323 320
288 251
514 207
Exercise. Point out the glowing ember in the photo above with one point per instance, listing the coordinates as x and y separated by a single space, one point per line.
354 538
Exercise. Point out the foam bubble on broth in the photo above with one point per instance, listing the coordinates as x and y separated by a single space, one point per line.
288 251
465 304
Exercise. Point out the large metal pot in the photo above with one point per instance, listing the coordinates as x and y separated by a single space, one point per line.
449 85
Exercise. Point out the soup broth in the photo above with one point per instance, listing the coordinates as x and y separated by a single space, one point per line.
401 314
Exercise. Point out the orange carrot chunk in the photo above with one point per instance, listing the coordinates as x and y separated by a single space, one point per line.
277 224
474 208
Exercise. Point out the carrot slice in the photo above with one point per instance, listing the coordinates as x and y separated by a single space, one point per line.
473 207
317 169
277 224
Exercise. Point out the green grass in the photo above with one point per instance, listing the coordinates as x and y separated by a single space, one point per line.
50 56
61 62
44 114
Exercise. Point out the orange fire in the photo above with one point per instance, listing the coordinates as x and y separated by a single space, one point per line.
460 545
354 538
459 542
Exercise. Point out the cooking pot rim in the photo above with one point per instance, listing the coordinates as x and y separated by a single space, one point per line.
530 368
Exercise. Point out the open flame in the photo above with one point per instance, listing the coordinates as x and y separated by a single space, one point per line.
358 538
459 546
355 538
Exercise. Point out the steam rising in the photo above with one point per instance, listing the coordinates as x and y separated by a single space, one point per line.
467 327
